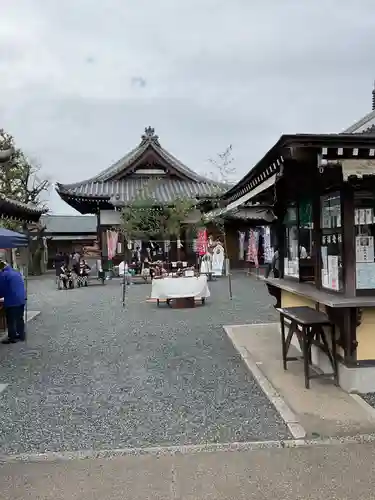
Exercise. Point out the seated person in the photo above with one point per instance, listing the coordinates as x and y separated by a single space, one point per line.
146 268
159 271
65 276
84 268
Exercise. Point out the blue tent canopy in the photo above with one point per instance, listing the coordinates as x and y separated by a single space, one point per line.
11 239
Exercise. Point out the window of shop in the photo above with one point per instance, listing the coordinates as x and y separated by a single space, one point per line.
298 241
291 258
331 242
306 244
364 222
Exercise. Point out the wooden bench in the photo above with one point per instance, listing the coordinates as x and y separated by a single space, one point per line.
308 326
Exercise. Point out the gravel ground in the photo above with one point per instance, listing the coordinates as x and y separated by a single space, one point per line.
369 398
93 375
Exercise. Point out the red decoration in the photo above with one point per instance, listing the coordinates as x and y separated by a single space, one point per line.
202 242
252 249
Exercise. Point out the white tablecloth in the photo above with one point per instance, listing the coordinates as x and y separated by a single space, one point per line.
172 288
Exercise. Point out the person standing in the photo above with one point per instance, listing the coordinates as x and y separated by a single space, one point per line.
57 263
12 289
274 266
66 259
75 262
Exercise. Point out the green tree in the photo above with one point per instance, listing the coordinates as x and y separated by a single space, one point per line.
20 180
146 217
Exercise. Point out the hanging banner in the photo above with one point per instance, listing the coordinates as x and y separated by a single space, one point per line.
202 242
249 255
252 249
112 240
241 244
268 250
256 249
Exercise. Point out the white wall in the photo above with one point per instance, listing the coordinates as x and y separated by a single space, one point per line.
110 218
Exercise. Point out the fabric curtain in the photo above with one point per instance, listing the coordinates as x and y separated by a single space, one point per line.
112 240
241 244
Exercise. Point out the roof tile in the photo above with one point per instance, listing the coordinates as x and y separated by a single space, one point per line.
105 185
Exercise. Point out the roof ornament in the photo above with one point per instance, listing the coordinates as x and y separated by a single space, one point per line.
150 136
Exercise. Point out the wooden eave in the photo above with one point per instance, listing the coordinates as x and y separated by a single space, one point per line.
290 147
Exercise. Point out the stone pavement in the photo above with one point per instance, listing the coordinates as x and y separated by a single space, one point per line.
323 410
341 471
95 376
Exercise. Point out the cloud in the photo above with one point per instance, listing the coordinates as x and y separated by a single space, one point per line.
79 82
138 81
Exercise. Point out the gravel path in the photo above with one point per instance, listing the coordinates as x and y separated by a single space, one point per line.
95 376
369 398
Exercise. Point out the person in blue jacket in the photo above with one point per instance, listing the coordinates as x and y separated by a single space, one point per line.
12 289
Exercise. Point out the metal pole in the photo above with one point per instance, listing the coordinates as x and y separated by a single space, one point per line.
227 264
124 277
26 278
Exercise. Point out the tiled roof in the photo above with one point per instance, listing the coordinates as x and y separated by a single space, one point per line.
69 224
128 189
365 125
253 213
368 131
18 210
114 182
127 160
119 185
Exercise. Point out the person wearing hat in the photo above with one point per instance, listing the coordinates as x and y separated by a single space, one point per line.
12 289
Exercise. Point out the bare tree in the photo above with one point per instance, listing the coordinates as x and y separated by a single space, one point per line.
223 163
224 173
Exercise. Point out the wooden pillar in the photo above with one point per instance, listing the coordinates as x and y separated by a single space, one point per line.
347 223
99 233
280 211
317 239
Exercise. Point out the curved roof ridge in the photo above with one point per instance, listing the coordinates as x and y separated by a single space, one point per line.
108 172
148 140
359 124
181 166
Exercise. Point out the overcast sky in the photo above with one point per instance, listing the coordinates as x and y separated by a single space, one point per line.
81 79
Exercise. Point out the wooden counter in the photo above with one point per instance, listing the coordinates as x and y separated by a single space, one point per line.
324 297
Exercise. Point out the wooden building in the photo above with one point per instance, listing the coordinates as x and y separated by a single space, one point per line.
148 167
68 233
28 217
19 212
322 189
25 215
238 222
